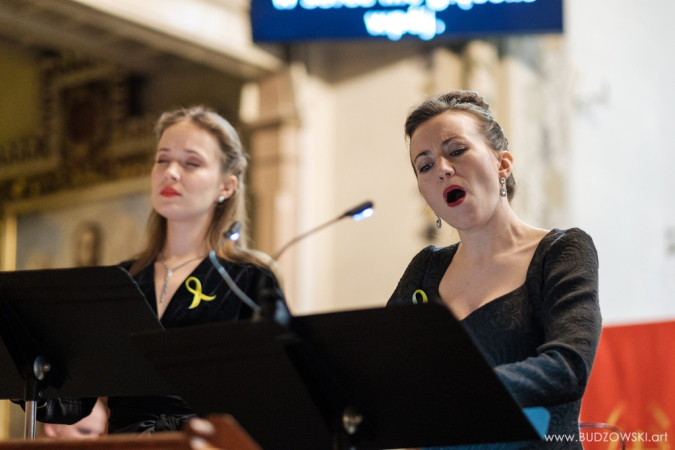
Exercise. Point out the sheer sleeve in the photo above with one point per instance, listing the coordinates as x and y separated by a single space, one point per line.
569 315
65 411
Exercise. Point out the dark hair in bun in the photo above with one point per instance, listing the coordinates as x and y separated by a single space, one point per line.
472 103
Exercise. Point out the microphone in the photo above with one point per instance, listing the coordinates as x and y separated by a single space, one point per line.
232 234
280 313
359 212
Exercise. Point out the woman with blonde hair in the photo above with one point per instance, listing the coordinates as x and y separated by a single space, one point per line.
197 192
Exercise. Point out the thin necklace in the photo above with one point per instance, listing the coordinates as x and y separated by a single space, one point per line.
170 272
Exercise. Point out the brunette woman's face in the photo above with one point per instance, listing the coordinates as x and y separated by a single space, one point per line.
187 178
457 171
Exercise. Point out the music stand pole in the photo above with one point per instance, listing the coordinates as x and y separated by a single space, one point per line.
33 393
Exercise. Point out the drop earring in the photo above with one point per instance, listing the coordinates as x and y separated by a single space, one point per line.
438 222
502 186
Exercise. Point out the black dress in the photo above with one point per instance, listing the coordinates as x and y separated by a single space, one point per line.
203 297
540 338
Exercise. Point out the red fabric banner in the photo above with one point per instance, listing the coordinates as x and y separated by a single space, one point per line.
632 386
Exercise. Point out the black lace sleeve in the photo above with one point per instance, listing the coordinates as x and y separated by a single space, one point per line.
569 315
64 410
412 278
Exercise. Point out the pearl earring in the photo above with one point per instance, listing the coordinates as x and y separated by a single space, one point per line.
502 186
221 199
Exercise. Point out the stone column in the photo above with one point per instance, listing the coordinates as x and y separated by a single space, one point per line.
270 115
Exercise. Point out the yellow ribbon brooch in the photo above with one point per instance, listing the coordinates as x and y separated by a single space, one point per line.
422 294
197 291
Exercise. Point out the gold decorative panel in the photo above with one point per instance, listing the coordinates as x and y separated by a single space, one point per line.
90 131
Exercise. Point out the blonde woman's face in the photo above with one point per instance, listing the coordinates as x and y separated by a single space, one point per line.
186 177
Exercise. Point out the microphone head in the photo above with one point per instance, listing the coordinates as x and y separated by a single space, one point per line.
362 211
233 233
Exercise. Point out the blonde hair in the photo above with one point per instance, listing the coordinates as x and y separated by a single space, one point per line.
233 162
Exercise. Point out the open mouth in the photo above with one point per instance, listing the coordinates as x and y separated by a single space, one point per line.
455 195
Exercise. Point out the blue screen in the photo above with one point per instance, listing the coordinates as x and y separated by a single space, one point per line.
295 20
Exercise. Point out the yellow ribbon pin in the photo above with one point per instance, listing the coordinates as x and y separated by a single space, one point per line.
197 290
424 296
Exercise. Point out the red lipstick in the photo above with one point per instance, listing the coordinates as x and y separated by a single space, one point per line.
454 195
169 192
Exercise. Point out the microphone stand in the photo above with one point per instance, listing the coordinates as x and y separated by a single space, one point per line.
327 391
277 309
272 305
359 212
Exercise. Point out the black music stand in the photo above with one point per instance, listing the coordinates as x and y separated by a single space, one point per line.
66 334
377 378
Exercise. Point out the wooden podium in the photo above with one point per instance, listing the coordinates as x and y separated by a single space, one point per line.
217 432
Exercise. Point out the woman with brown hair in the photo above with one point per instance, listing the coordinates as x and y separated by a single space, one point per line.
197 194
528 297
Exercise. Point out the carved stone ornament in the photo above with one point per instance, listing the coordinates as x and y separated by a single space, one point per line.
89 131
